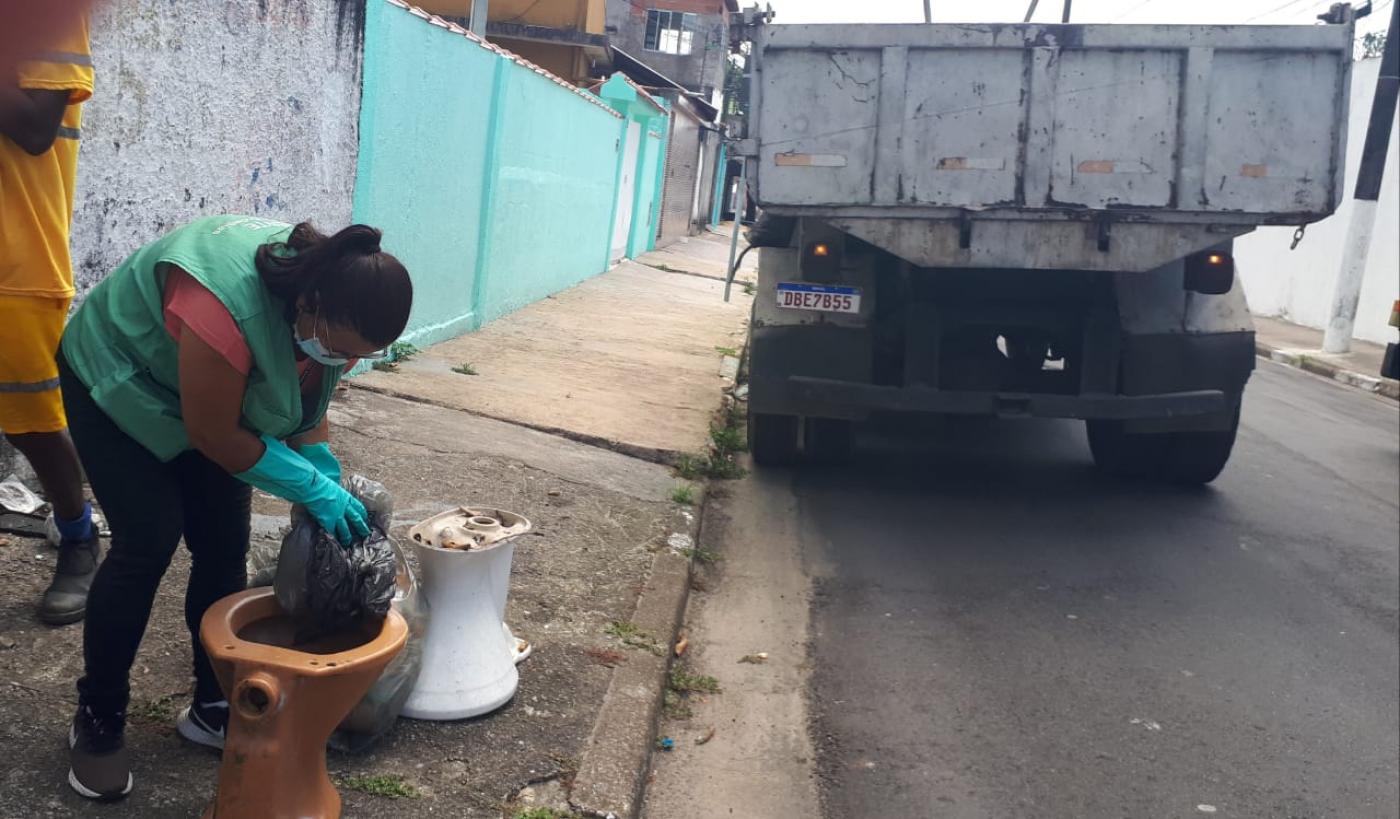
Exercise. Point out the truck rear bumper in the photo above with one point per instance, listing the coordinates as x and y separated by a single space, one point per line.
824 396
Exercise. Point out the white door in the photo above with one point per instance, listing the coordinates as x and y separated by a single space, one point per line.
626 189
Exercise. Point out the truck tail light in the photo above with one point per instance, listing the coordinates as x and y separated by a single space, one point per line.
1211 272
821 262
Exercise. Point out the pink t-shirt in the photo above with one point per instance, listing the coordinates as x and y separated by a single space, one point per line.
190 306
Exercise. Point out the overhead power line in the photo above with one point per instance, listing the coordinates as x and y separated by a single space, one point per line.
1276 10
1134 10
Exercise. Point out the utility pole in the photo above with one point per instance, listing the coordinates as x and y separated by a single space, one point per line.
1342 320
1030 12
478 18
1064 18
741 204
928 11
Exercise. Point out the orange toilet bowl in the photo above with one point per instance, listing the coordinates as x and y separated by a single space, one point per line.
285 699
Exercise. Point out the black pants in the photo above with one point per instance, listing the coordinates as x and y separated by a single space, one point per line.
149 505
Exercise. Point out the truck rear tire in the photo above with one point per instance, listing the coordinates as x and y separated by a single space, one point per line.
827 440
773 439
1185 457
1199 457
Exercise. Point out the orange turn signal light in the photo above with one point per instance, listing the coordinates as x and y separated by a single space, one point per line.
821 249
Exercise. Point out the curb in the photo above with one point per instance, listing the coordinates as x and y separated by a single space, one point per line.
616 763
1310 361
613 769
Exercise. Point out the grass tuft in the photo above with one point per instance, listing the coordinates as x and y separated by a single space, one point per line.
699 555
389 786
160 710
633 637
399 352
544 813
683 682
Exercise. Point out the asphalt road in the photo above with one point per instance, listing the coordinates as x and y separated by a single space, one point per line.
997 632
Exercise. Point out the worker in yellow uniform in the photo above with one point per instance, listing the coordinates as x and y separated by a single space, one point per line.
40 126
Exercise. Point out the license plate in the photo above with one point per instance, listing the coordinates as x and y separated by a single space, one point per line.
825 298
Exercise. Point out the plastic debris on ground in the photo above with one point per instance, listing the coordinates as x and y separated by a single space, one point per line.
24 525
666 744
262 562
755 659
18 498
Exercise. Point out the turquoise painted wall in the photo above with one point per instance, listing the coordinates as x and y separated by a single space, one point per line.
551 210
657 147
493 184
649 182
654 118
721 174
424 110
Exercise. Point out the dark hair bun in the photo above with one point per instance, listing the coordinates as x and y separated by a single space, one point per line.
357 239
346 276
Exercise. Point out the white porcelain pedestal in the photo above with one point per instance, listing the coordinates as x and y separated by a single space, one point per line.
469 655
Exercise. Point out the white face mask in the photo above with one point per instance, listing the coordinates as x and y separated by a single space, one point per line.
313 347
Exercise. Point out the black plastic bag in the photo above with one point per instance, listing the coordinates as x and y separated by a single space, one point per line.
377 712
325 587
380 707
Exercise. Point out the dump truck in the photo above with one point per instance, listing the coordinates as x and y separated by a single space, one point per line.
1026 220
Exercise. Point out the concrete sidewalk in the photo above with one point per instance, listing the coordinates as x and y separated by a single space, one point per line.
1301 347
567 388
705 255
634 359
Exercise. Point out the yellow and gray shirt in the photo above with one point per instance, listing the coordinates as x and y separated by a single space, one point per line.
36 192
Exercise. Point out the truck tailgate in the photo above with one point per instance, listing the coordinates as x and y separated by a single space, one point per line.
1211 129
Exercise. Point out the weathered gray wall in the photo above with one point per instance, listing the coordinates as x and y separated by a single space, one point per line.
701 70
682 164
214 106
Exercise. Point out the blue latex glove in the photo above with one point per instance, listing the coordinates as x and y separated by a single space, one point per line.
289 476
321 457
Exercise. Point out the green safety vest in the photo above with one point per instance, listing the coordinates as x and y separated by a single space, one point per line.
118 346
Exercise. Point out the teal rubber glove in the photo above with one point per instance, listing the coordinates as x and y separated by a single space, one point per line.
321 457
289 476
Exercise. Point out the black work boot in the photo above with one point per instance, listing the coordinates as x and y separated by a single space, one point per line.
100 767
65 600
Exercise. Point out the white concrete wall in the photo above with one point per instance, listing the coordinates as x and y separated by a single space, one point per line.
1297 285
210 106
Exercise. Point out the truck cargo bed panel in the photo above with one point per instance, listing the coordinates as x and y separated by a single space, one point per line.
1235 125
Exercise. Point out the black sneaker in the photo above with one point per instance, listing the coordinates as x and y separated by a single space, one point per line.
65 600
205 723
99 767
